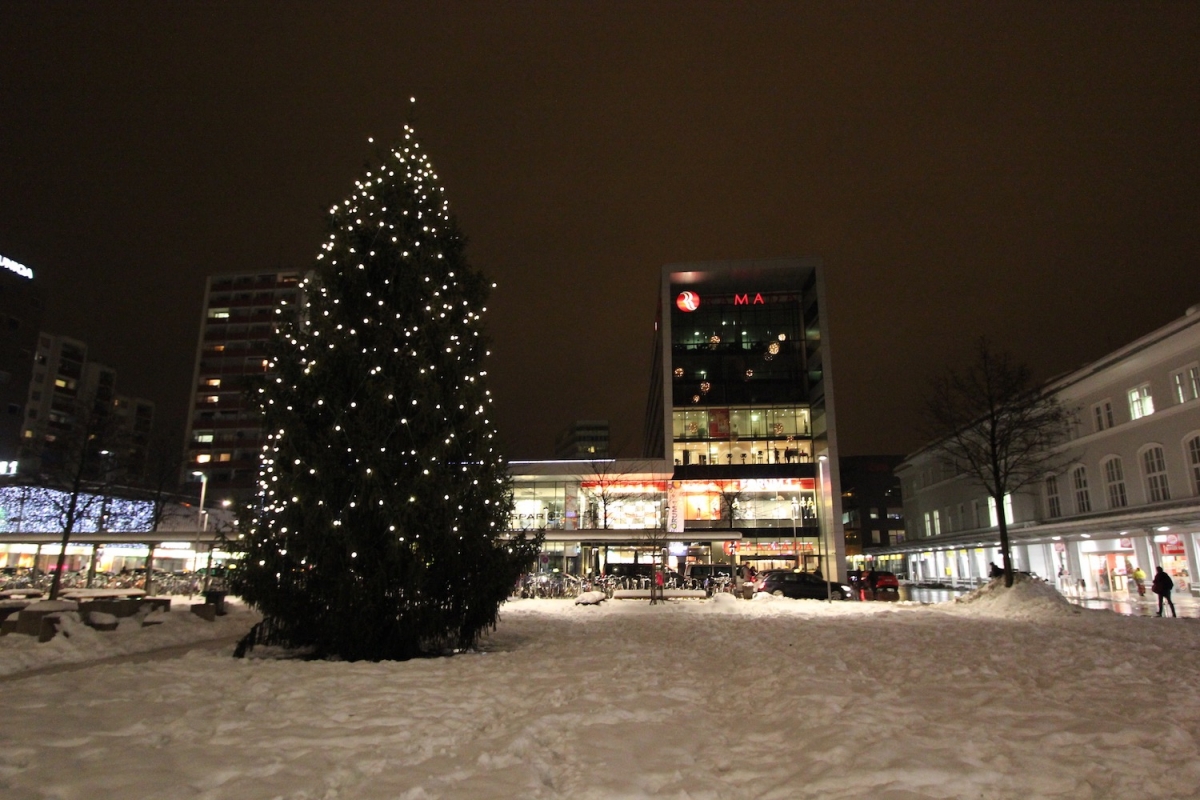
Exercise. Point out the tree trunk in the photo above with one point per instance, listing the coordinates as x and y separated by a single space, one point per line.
1004 546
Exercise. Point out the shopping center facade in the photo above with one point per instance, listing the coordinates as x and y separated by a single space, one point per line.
739 461
1127 497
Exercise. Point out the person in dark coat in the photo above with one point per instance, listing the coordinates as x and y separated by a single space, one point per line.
995 571
1162 587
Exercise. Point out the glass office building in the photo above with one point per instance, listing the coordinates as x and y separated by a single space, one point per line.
739 459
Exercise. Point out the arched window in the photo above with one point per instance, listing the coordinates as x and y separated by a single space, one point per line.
1053 506
1114 480
1083 501
1193 455
1154 466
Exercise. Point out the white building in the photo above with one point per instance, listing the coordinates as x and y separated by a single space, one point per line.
1129 496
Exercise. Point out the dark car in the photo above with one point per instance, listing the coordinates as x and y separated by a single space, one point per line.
802 586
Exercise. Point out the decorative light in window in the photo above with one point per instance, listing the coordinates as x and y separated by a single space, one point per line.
695 398
749 373
679 372
713 341
704 387
783 337
773 348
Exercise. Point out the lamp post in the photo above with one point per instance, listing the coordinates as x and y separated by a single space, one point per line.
821 461
795 541
200 519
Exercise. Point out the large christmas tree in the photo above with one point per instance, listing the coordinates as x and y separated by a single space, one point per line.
377 528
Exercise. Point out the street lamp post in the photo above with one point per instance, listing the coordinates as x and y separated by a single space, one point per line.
821 462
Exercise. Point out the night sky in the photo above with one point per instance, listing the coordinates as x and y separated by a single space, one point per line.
1025 171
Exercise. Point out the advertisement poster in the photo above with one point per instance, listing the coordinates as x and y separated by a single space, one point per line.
674 508
718 423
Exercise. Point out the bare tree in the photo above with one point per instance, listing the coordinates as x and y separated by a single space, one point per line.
993 424
609 483
80 466
731 497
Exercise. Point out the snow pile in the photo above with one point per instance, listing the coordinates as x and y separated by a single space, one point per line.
76 642
1027 598
590 598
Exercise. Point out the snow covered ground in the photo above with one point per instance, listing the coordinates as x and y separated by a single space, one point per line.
1012 695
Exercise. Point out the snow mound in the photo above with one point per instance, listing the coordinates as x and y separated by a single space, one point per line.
723 598
1027 598
590 598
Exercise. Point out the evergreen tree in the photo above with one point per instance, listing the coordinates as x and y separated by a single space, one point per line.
376 532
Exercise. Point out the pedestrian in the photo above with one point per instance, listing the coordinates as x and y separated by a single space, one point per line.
1162 587
994 571
1139 578
872 581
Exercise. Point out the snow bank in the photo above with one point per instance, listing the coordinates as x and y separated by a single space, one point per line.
1028 598
78 643
590 598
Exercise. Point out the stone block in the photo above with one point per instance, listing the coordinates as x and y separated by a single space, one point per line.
205 611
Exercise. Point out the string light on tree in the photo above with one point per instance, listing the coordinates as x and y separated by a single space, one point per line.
367 519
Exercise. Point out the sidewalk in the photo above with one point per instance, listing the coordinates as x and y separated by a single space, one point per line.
1185 604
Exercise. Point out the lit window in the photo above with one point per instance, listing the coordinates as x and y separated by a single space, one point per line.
213 382
1141 404
1186 384
218 313
224 456
1008 511
203 458
1154 464
212 398
202 438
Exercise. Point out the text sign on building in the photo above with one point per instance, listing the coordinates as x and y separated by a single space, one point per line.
13 266
687 301
674 508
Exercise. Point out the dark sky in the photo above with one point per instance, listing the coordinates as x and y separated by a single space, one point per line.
1025 171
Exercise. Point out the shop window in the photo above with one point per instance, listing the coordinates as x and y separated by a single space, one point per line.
1114 479
1154 466
1083 500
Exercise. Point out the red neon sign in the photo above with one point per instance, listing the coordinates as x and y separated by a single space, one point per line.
744 299
688 301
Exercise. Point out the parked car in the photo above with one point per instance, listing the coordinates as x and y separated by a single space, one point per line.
802 585
886 582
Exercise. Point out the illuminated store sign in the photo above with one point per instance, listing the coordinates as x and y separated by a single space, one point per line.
746 300
688 301
12 266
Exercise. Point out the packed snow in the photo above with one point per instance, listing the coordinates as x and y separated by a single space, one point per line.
1011 693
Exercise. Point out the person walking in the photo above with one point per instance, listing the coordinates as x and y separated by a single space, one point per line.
1162 587
1139 578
